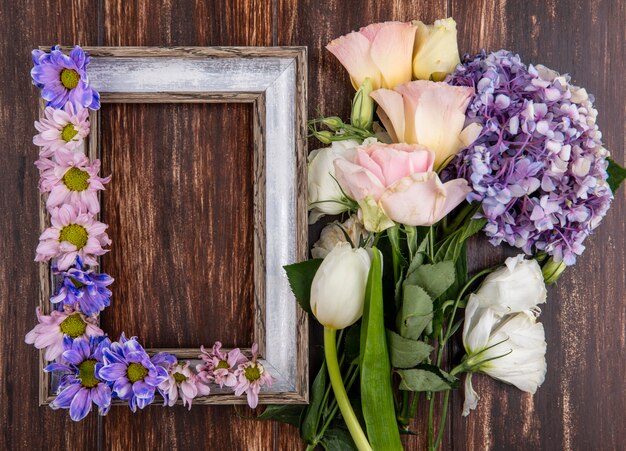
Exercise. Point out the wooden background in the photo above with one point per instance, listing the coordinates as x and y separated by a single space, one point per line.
582 403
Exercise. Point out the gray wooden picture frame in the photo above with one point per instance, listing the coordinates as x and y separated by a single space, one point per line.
273 79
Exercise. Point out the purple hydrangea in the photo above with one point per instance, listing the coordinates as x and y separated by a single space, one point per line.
63 78
538 166
134 375
80 386
84 289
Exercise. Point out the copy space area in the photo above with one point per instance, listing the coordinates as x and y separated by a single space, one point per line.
180 214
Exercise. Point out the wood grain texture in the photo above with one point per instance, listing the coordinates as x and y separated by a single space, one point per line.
580 406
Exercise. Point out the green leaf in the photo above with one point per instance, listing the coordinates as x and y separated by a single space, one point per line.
290 414
418 259
311 420
394 238
336 439
377 399
472 227
352 344
435 278
406 353
300 277
426 378
416 312
617 174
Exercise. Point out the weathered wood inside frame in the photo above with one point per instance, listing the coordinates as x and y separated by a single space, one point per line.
297 393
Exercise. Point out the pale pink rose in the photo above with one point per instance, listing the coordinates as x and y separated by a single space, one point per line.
428 113
396 182
382 52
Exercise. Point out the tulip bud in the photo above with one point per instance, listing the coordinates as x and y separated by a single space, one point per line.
552 270
363 106
338 288
436 52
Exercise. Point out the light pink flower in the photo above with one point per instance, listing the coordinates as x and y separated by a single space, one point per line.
218 366
428 113
74 180
382 52
182 382
73 233
49 333
61 129
251 376
396 182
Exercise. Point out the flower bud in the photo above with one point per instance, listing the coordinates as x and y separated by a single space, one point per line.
334 123
338 288
324 136
435 53
363 106
552 270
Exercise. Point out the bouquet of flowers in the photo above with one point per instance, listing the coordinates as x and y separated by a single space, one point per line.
486 144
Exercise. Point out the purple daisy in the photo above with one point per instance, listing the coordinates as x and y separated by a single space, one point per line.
80 386
63 78
135 376
83 287
538 167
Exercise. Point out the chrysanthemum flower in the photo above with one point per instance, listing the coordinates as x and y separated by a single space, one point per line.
63 78
61 129
251 376
74 180
218 366
73 233
538 167
80 387
83 289
49 333
135 376
182 381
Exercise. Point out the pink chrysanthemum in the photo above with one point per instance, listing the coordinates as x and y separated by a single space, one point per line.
218 366
251 376
61 129
73 233
49 333
182 382
74 180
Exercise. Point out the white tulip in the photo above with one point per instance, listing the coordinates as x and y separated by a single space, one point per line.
336 232
515 287
338 288
325 195
501 335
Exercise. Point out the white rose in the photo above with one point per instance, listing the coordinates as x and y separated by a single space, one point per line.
325 194
335 232
338 288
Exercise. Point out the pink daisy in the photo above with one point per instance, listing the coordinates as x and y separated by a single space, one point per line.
61 129
182 381
218 366
49 333
73 233
250 377
74 180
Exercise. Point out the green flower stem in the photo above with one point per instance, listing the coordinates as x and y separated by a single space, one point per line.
333 411
330 349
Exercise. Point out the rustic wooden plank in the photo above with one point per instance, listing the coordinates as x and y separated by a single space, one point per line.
25 424
315 23
581 403
200 24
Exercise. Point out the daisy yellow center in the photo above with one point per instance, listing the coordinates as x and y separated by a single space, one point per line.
73 325
76 180
68 132
136 372
86 374
69 78
75 234
180 378
223 364
77 283
252 373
